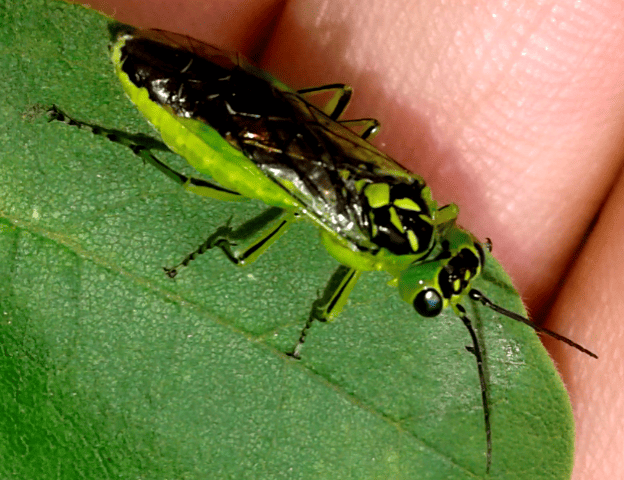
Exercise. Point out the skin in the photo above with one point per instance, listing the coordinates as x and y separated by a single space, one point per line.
514 112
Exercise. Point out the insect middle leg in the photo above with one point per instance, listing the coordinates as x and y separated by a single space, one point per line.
142 146
246 243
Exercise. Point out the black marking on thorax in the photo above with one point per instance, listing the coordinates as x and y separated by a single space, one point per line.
460 270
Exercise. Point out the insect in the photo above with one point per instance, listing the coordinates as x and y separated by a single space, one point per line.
257 138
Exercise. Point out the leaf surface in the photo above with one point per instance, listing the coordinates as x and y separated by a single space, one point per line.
110 369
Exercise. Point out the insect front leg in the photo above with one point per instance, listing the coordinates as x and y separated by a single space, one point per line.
331 303
142 146
246 243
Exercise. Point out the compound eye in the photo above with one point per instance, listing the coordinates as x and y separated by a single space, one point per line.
428 303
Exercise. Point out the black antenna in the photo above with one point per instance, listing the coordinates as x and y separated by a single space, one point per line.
476 351
479 297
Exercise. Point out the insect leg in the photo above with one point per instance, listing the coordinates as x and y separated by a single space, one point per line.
475 349
331 303
339 101
445 218
366 128
194 185
142 145
245 244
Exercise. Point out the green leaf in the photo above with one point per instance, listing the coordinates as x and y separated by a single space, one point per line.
110 369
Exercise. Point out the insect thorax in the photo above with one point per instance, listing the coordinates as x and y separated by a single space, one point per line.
399 219
466 259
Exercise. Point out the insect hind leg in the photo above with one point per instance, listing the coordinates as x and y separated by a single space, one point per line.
365 128
338 102
142 146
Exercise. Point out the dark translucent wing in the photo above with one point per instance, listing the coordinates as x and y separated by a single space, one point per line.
321 163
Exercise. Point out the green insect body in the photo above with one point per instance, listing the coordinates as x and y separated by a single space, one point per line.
257 138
